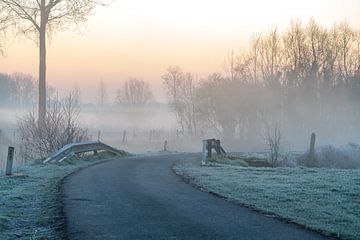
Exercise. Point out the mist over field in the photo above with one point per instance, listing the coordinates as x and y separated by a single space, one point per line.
282 85
133 106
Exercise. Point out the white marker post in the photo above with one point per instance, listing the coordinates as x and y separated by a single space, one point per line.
9 162
203 156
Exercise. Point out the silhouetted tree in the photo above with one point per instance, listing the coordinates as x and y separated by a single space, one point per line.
135 92
36 18
102 94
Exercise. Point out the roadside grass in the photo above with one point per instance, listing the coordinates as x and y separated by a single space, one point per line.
30 201
327 200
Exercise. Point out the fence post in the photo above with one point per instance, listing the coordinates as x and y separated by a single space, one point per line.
217 147
165 146
99 135
209 148
312 145
311 161
124 136
203 156
9 162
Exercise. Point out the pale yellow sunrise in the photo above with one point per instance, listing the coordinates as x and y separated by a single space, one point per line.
140 38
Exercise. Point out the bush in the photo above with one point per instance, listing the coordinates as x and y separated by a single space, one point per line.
41 137
343 157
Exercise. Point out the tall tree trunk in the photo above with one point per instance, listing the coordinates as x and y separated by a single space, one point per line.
42 69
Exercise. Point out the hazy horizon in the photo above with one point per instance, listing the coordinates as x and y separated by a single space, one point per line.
141 39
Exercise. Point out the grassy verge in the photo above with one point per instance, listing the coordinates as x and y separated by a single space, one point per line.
327 200
30 201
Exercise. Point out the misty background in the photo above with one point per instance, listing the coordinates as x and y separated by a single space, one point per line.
304 79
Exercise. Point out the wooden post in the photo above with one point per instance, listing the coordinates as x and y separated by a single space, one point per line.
209 148
165 146
99 135
9 162
312 145
203 156
310 160
124 136
217 147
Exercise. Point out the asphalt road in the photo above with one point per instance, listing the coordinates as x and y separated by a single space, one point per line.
141 198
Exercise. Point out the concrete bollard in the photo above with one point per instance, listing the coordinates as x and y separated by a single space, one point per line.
203 156
99 136
9 162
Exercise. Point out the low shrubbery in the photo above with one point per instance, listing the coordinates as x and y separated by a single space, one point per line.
41 137
328 156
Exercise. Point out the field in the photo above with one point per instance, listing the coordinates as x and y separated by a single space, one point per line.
30 202
321 199
146 129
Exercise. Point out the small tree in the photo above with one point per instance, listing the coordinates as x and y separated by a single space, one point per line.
173 81
181 91
273 141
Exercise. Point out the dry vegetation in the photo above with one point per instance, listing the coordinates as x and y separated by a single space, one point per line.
41 137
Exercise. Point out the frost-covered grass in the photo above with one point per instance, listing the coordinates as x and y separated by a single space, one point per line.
30 201
322 199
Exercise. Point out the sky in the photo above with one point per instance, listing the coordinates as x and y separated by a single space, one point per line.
142 38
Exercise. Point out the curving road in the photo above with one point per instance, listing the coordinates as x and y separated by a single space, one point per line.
141 198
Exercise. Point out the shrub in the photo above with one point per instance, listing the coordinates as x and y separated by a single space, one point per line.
41 137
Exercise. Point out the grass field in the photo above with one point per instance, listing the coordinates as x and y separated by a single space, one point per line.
321 199
30 203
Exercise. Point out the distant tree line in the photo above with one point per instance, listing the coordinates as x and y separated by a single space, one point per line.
18 90
306 78
133 93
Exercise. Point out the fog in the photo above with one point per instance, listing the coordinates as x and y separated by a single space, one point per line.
303 80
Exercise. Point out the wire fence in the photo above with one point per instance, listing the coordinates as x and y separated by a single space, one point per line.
130 140
139 141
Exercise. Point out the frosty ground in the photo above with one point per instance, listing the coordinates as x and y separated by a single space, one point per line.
30 201
321 199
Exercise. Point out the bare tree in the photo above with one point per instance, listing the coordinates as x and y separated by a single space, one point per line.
26 92
60 127
255 43
273 142
135 92
181 89
102 97
173 80
36 18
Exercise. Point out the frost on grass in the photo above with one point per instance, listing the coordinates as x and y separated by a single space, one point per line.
30 203
321 199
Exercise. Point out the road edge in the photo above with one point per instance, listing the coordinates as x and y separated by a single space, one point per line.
61 194
190 180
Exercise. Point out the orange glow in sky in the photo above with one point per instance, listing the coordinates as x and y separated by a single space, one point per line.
141 38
